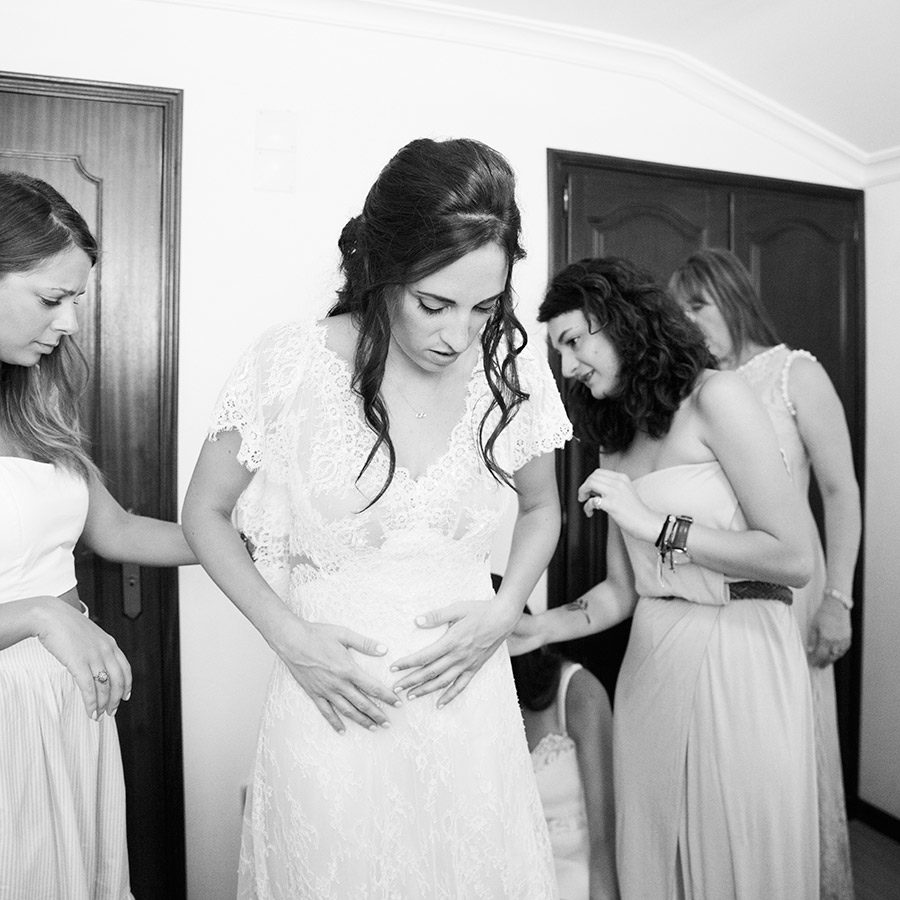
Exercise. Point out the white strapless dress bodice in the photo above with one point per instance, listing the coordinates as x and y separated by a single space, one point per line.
62 793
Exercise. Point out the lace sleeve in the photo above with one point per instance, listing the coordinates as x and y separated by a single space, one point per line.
257 401
541 424
264 374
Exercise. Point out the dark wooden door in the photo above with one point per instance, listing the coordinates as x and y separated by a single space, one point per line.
801 244
803 252
112 152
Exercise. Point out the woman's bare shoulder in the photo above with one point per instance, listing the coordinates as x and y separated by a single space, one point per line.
715 387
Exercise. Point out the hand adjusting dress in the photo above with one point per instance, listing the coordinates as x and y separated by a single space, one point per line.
768 374
712 727
62 794
443 803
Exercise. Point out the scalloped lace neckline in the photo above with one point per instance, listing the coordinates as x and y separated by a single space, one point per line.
429 471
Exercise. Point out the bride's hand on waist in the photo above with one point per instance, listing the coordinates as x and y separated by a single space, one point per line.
475 631
318 656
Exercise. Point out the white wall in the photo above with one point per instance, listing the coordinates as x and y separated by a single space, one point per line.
879 777
251 257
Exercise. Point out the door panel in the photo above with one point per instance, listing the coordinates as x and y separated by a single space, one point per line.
111 152
655 222
802 253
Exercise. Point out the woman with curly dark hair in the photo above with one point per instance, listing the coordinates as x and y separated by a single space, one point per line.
713 734
366 457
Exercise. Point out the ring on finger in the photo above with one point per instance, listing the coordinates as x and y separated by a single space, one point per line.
102 676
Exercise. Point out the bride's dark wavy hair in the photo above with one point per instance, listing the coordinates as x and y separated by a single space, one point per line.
661 351
433 203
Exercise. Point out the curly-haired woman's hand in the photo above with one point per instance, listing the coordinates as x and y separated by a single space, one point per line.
614 493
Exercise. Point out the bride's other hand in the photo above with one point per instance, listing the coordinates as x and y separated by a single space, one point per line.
319 658
475 631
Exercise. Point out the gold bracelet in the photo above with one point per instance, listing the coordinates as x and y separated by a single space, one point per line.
845 600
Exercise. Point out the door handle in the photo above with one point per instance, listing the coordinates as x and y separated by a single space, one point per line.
131 590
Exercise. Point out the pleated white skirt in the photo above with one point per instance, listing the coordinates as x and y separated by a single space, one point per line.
62 794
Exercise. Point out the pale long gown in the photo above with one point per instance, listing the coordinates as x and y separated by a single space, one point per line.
62 793
712 726
768 374
442 804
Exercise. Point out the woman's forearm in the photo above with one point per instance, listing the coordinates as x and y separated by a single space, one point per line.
19 619
25 618
147 542
753 555
221 551
534 539
600 608
843 527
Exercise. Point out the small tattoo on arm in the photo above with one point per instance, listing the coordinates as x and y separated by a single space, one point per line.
580 605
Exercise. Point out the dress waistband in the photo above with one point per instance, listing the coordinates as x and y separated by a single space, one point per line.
760 590
751 590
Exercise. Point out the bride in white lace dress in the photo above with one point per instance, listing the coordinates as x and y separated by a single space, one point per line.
364 459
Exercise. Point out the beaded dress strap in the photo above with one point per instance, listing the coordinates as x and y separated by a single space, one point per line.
785 372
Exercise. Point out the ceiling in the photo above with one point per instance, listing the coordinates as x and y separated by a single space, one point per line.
833 62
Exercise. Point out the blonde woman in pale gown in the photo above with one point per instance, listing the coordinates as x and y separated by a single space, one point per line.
712 720
366 457
717 292
62 794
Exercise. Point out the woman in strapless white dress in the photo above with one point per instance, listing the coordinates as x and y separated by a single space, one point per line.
62 797
713 751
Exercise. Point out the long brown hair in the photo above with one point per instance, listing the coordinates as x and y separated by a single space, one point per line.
717 275
39 404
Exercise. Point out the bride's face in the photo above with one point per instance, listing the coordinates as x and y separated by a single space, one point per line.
437 318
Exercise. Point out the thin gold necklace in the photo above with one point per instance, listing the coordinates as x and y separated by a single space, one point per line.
419 414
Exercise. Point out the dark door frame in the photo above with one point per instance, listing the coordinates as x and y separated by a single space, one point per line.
169 101
558 164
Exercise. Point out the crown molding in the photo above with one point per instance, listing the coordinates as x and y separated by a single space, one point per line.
588 48
883 167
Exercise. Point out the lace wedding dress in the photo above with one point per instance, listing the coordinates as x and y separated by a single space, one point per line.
442 804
